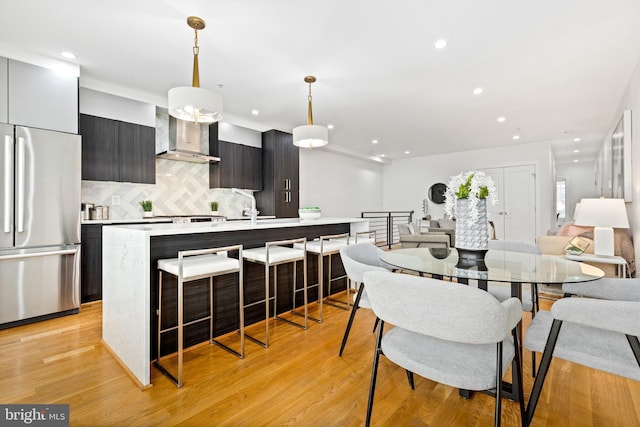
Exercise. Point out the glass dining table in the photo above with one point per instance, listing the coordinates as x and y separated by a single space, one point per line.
515 268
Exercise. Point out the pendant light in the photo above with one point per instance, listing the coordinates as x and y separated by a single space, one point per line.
193 103
310 135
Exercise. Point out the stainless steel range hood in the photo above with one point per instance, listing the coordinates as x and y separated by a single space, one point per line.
187 141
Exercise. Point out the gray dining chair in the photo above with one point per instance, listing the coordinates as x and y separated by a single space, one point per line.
597 333
446 332
358 259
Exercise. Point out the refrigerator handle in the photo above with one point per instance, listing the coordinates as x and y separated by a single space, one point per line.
20 187
39 254
8 182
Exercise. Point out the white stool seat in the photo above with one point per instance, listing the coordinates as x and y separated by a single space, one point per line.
277 254
327 246
201 265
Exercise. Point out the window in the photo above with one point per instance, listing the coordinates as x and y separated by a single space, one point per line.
561 185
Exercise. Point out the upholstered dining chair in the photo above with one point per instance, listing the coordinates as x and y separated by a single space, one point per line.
358 259
502 291
446 332
597 333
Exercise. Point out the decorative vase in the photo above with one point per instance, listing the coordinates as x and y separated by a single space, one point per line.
147 214
472 233
215 213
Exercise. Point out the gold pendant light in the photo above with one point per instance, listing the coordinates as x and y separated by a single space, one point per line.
193 103
310 135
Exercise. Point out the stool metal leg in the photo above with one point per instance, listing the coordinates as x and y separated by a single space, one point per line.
180 328
264 343
293 310
332 301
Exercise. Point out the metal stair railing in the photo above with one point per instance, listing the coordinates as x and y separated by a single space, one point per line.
383 222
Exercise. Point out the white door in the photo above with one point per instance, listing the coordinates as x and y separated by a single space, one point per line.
514 216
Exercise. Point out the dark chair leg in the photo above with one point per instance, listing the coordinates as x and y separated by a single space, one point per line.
410 378
544 368
375 324
518 379
498 415
355 307
374 374
535 306
635 347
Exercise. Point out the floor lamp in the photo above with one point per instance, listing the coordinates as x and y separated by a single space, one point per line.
604 215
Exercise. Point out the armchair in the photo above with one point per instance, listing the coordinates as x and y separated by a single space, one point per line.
414 239
597 333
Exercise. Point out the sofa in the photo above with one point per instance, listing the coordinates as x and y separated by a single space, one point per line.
410 237
447 226
555 244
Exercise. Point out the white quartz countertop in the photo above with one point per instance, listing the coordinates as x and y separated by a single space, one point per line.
213 227
126 221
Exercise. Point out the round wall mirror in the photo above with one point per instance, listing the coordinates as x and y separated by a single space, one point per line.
436 193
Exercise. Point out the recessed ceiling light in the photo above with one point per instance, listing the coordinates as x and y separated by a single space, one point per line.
576 161
576 151
374 141
68 55
440 44
501 119
576 139
407 152
255 112
330 126
381 155
478 91
516 136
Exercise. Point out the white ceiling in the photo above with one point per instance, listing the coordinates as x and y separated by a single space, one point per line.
557 70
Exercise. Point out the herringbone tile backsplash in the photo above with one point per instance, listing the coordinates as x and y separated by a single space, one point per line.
181 188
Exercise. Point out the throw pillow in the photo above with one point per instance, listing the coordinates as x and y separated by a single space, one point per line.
411 229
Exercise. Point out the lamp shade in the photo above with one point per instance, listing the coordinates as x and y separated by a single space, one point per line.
576 211
602 213
195 104
310 136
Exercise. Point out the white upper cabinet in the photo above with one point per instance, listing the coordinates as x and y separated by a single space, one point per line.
4 98
41 98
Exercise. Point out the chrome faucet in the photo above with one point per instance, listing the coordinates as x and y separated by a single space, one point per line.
253 212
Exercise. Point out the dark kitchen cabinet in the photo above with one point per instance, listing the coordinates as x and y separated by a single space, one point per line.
113 150
137 149
280 175
240 166
91 263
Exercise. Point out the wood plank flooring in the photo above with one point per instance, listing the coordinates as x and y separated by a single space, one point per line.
299 380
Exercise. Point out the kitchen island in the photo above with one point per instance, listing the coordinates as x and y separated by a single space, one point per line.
130 279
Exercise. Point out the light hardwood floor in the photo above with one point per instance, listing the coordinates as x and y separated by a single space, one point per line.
299 380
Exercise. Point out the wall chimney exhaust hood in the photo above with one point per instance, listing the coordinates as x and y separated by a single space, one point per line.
188 142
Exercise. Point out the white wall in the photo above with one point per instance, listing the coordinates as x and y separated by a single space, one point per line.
341 186
580 183
406 182
631 101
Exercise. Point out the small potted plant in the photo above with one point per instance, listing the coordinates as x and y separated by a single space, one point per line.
147 208
214 207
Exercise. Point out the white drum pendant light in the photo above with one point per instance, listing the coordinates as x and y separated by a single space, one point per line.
310 135
193 103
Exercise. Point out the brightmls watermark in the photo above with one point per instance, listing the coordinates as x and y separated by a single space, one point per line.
34 415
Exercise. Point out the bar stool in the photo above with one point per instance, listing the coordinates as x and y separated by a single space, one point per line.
327 246
193 265
274 254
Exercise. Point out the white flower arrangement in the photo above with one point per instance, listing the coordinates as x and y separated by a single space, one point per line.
473 185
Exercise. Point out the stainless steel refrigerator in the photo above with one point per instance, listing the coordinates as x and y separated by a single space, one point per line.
40 173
